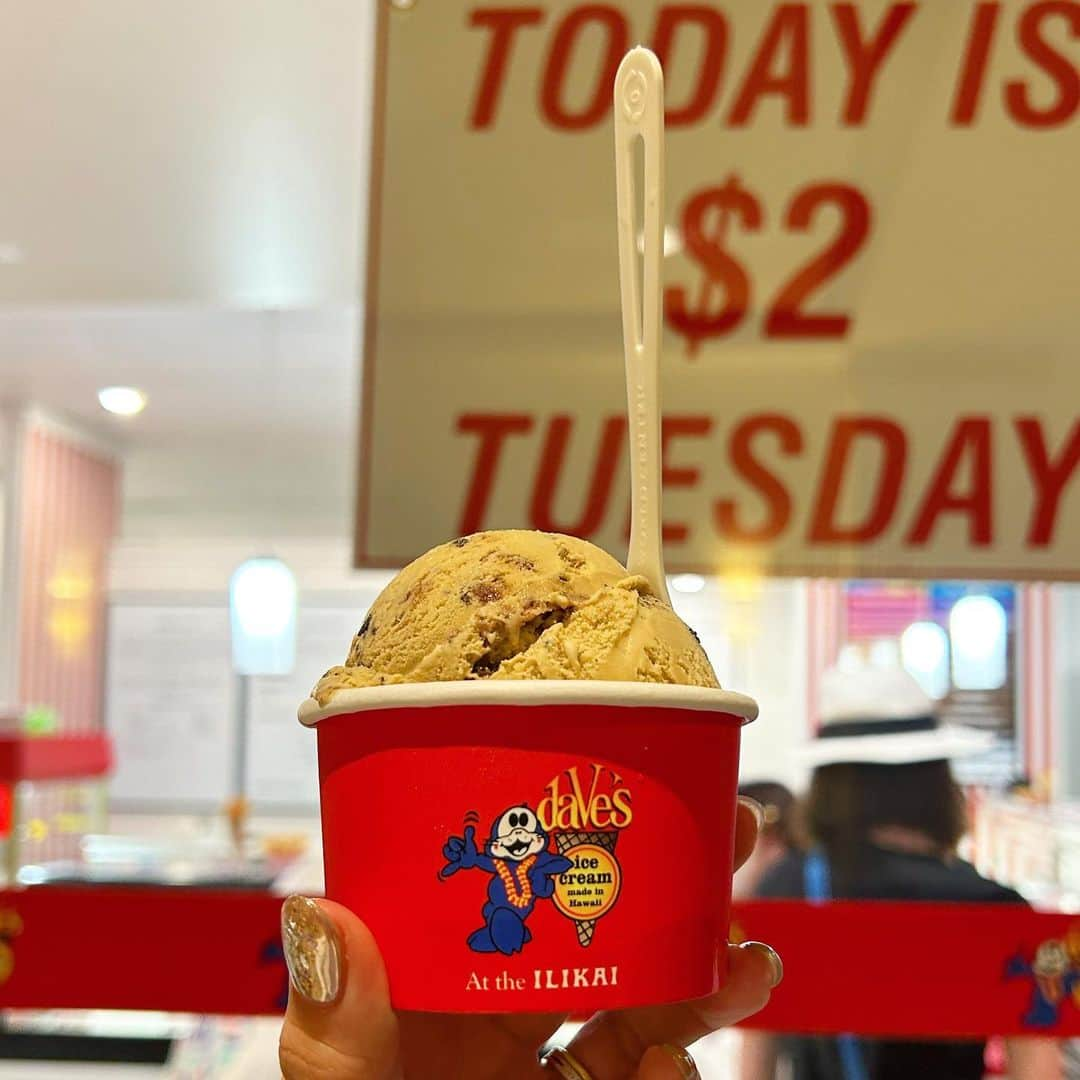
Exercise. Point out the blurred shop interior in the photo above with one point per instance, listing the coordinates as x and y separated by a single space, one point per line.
180 391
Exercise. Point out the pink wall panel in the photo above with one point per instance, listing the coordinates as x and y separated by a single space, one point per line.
68 514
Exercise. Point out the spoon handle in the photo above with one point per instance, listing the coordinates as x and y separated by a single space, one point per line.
639 121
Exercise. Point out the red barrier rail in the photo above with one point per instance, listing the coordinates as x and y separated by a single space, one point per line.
919 969
54 757
874 968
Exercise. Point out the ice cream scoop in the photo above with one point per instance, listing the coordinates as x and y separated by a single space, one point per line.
516 604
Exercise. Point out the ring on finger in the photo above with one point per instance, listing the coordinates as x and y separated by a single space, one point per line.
683 1060
565 1064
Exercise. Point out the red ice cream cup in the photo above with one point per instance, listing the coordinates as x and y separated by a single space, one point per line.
534 846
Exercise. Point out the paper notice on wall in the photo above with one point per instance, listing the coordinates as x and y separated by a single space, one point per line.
169 704
282 764
870 291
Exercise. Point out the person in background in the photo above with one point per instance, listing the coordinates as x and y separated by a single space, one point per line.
775 839
884 816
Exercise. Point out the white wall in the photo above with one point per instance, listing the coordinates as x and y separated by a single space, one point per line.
191 514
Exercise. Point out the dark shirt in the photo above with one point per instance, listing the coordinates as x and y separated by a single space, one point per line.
890 875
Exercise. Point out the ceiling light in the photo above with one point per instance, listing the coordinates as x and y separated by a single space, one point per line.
122 400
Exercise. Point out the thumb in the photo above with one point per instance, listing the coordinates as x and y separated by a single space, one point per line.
470 835
339 1024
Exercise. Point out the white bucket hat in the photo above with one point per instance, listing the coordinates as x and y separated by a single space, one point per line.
882 716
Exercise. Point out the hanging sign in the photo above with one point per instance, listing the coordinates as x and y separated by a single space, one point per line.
870 361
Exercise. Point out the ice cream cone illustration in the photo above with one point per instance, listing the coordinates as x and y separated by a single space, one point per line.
590 888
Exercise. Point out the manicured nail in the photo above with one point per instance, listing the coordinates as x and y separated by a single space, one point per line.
755 808
684 1062
771 955
311 949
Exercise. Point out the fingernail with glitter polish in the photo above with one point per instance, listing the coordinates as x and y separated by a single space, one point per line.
685 1063
755 808
771 955
312 952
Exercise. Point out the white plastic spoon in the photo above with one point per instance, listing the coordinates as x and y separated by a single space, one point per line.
639 115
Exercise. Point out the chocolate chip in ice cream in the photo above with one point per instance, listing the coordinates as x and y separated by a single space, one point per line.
483 592
568 557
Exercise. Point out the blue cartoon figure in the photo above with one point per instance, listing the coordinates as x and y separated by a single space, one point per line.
522 872
1053 981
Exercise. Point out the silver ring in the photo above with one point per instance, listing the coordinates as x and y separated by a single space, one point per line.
565 1064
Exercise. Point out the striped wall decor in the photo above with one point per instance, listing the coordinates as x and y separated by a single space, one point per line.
67 513
825 631
1037 684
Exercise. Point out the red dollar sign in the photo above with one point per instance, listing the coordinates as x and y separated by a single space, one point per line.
717 205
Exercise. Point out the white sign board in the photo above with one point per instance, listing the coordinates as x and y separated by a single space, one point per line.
169 703
871 362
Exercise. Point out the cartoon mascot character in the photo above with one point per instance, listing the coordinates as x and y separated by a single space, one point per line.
1053 982
522 872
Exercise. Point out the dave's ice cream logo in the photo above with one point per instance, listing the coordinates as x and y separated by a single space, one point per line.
580 815
586 818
